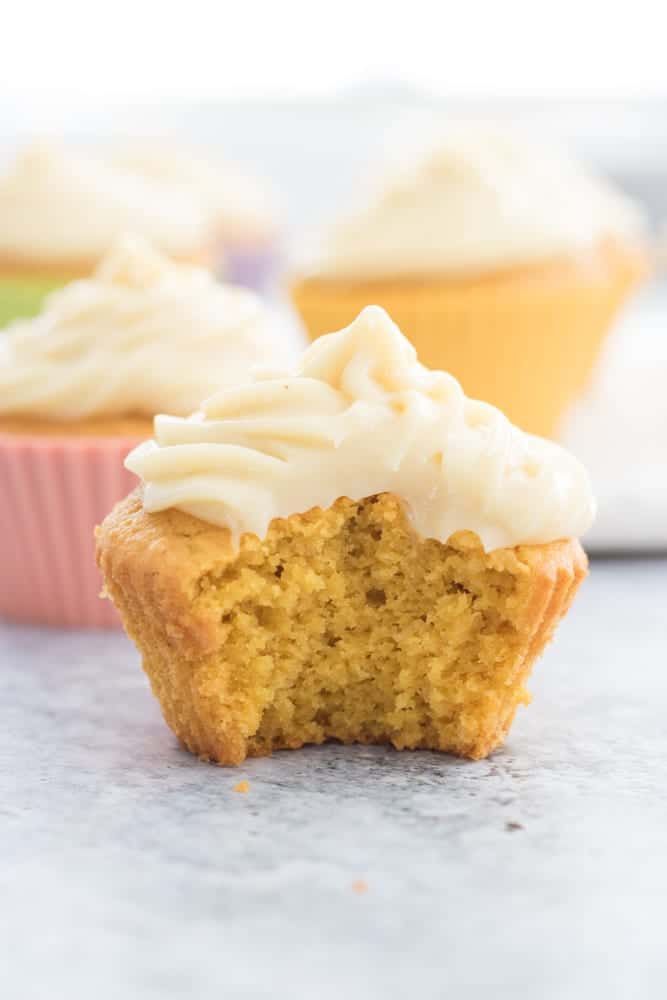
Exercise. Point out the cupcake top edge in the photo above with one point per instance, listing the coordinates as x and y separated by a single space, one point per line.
143 335
358 417
483 198
60 205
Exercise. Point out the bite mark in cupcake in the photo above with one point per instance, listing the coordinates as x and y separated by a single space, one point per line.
355 551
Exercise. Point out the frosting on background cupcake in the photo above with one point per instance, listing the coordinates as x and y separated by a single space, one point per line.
482 198
363 417
240 206
141 336
63 205
242 209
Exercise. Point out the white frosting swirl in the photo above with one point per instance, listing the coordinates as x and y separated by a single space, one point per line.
241 207
361 417
144 335
63 205
482 199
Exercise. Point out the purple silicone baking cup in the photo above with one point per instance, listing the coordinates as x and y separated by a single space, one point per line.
252 267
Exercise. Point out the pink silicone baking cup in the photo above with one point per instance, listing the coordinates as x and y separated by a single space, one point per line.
53 493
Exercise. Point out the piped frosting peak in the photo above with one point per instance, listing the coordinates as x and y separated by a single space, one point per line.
362 416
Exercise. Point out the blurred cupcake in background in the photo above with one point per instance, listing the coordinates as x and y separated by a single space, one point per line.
79 386
503 261
61 209
242 209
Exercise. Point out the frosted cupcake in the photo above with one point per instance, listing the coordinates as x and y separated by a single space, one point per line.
79 385
503 262
62 209
350 551
242 209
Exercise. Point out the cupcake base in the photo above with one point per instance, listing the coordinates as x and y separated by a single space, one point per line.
341 625
525 340
54 489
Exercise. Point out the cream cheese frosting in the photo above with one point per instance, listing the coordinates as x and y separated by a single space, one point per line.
143 335
482 198
59 204
241 207
359 417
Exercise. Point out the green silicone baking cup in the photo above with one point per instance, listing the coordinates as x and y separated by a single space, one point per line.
22 297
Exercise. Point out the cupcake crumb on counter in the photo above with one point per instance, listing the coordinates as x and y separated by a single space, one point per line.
242 786
359 886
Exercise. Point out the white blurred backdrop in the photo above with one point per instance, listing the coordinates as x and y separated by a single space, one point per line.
310 95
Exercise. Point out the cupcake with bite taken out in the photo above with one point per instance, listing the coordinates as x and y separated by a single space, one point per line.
79 386
351 550
61 210
504 263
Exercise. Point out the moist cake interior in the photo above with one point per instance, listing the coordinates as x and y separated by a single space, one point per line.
341 624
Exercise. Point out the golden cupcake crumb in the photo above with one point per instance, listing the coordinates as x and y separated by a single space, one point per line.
360 886
242 786
342 624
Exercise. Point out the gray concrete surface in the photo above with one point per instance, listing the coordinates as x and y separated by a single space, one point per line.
130 870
